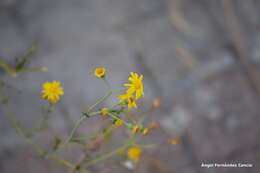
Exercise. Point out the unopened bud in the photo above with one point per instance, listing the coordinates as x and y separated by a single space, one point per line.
156 103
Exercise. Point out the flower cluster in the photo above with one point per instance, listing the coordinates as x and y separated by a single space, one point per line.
133 91
114 118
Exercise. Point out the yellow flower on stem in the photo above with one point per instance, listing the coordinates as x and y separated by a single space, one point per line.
100 72
118 122
52 91
129 99
104 111
136 85
134 153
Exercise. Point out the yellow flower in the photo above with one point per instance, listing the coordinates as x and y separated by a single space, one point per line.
118 122
136 85
129 99
104 111
134 153
100 72
51 91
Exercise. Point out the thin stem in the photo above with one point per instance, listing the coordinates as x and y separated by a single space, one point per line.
45 119
61 161
40 150
109 93
113 106
107 84
115 117
74 130
33 69
107 131
93 113
106 156
22 134
7 68
82 118
111 153
119 90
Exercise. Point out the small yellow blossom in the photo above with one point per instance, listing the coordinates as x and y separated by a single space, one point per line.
146 131
118 122
131 102
51 91
134 153
100 72
135 129
136 85
104 111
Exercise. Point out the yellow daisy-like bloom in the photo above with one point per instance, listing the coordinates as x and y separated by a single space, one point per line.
52 91
100 72
134 153
136 85
131 102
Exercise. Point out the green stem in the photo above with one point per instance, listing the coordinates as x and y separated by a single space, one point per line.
61 161
33 69
87 114
74 130
36 147
118 90
105 156
109 93
107 84
82 118
113 106
7 68
115 117
111 153
45 119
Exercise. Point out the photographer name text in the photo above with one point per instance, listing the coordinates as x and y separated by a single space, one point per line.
226 165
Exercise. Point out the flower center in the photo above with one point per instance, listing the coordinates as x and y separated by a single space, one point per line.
138 85
99 71
53 90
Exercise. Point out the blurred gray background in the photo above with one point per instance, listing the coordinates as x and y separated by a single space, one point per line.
201 58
